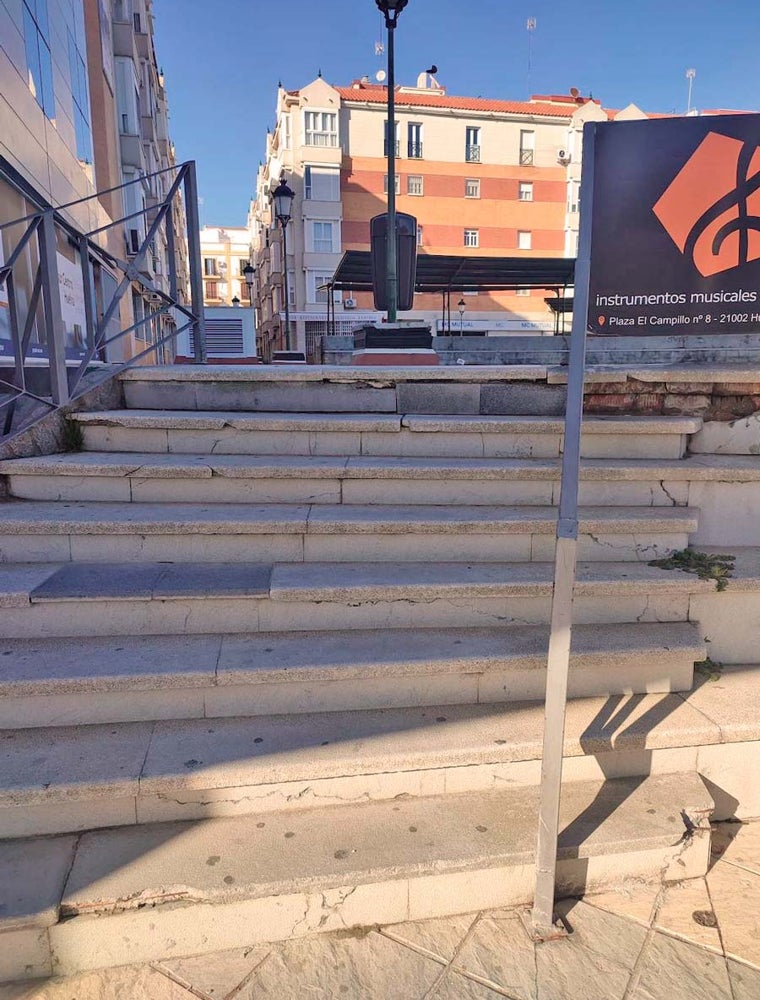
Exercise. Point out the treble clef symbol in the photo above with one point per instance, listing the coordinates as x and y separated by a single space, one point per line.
743 223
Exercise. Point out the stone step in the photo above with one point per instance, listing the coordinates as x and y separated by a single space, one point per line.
341 434
116 897
88 680
126 476
39 531
61 779
111 598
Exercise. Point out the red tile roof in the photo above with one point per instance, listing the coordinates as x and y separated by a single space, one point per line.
374 94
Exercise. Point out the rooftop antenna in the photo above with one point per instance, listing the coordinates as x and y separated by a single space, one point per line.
690 74
530 24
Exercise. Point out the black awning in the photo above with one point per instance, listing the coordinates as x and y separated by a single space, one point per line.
563 304
443 273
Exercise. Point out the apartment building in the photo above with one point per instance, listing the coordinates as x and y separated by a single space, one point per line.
82 110
225 251
483 177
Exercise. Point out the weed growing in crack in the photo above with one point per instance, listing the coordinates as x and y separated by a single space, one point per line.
704 564
72 438
709 669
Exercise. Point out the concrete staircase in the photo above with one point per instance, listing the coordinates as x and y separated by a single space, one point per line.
268 671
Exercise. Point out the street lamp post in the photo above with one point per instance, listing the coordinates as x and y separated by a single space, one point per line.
391 9
282 198
249 272
461 306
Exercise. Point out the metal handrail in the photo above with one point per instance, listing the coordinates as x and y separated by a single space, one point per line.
33 265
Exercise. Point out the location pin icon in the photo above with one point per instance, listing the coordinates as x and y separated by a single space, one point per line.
602 320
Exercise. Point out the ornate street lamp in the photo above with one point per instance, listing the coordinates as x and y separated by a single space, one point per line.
461 306
248 273
391 9
282 199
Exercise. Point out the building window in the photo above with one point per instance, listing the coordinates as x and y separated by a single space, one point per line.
525 192
209 266
286 132
522 291
527 147
574 196
472 144
81 98
322 184
244 293
524 240
472 188
316 287
212 289
415 184
321 128
414 141
385 140
472 237
397 184
38 63
322 237
419 236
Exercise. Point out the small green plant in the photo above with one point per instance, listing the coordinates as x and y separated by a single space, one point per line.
709 669
706 565
72 437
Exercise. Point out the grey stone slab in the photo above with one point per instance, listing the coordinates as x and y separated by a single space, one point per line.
438 398
34 667
100 581
17 581
530 400
731 701
331 373
73 517
360 965
303 398
280 467
215 580
173 395
156 419
32 877
680 971
71 762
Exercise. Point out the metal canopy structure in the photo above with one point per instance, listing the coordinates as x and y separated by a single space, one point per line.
443 273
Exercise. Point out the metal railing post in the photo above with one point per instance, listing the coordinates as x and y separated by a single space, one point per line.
55 334
194 257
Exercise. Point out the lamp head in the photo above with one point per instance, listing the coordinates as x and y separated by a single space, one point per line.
248 273
461 306
391 9
282 197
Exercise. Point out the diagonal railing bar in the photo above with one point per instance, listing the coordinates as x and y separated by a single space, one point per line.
124 218
19 249
18 365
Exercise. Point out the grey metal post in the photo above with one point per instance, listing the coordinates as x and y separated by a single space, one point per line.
194 255
558 661
284 224
391 279
55 334
88 287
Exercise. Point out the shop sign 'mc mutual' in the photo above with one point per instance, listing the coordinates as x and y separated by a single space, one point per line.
675 238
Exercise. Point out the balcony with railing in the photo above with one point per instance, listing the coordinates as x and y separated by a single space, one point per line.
414 150
472 154
396 145
526 157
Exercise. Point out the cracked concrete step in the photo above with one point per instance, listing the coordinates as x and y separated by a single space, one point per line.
163 890
146 477
64 779
112 598
88 680
39 531
377 434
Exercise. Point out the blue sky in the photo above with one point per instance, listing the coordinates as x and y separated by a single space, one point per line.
223 59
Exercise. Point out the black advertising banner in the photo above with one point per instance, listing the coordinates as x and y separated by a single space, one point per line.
675 244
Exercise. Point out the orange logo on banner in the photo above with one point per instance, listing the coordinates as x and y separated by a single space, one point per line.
711 210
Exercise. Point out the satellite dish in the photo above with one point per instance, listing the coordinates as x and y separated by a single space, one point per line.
574 92
380 75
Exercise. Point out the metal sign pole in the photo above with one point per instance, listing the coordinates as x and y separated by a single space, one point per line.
558 661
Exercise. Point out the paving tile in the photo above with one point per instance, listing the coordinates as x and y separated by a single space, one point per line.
343 965
634 901
215 976
679 971
98 581
745 982
686 911
454 986
17 581
732 701
128 983
735 894
737 844
440 937
500 951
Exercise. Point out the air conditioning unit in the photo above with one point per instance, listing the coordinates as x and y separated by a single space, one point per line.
155 298
349 303
563 156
